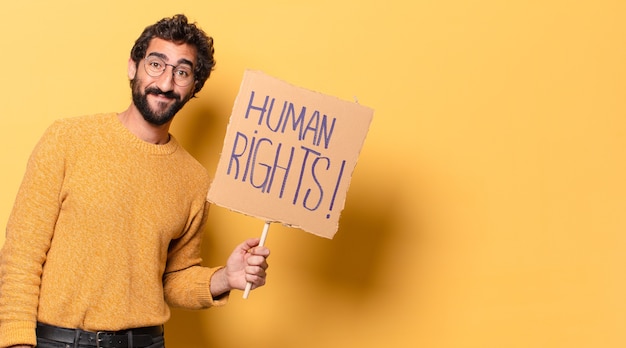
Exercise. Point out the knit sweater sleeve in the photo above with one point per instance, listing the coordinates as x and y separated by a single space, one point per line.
28 236
186 283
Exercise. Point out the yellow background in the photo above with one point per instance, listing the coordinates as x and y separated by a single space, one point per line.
488 205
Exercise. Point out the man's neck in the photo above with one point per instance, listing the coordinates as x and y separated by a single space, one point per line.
135 123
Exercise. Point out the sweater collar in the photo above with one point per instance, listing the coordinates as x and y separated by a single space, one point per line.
153 149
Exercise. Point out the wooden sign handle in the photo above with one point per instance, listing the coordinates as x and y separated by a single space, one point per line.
261 243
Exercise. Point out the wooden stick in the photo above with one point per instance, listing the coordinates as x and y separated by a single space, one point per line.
261 243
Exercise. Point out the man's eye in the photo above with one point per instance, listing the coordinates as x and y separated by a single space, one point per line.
183 73
156 65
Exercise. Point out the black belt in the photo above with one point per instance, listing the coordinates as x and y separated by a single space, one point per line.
137 338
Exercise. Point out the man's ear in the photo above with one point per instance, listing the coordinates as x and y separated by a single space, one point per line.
132 69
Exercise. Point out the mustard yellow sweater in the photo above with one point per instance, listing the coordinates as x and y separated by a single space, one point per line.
105 233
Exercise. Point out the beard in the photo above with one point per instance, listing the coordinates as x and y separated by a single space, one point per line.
165 113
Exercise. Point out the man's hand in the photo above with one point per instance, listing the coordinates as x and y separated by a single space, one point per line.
247 263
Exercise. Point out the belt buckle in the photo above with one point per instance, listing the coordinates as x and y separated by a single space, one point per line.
98 339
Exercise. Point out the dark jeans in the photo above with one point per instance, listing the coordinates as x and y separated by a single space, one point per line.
45 343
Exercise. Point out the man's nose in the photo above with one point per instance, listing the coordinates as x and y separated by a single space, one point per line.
165 82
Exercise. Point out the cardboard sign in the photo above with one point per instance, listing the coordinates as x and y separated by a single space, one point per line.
289 154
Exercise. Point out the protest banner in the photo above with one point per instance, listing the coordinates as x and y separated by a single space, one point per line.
289 154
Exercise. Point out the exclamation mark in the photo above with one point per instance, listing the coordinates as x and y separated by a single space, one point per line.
332 200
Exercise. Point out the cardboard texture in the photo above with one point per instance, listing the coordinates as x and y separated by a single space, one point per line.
289 154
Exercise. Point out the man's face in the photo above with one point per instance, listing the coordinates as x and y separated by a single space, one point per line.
159 98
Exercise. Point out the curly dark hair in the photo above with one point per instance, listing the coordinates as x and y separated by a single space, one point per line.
177 29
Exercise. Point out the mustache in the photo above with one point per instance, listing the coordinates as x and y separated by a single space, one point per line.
158 91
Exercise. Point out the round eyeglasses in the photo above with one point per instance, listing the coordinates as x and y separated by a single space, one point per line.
182 73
